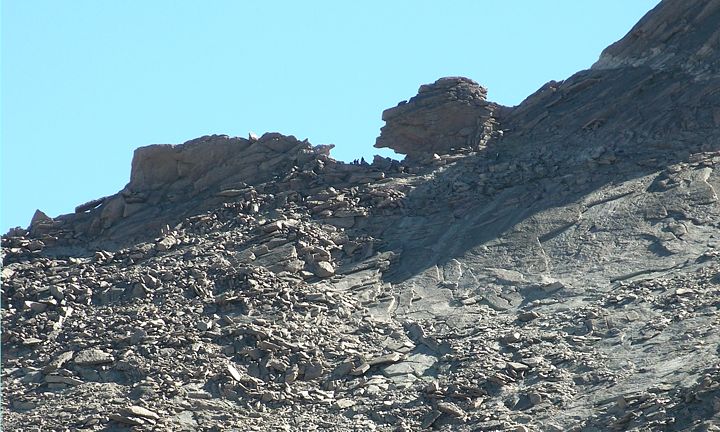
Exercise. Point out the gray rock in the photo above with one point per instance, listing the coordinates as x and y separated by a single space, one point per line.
313 371
57 292
59 379
234 372
415 364
36 306
323 269
166 243
138 411
92 357
451 408
388 358
563 272
342 404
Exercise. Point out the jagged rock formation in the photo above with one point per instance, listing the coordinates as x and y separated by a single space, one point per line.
562 276
449 114
168 183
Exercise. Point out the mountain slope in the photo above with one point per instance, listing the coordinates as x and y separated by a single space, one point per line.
554 267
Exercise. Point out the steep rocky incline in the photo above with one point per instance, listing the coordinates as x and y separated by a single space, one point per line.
553 266
683 35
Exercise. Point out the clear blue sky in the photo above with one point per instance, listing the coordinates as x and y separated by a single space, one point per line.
85 82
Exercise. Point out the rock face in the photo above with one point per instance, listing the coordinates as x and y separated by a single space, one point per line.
449 114
170 182
684 35
196 165
161 172
564 276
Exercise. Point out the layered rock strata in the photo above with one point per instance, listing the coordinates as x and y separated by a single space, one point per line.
448 115
564 276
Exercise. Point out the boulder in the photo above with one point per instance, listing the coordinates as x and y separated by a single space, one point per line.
449 114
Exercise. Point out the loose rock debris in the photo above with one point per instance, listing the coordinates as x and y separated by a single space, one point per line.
547 267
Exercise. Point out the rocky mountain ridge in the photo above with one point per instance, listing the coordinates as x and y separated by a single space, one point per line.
550 266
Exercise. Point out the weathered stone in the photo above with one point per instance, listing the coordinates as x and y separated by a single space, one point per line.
272 227
313 371
31 341
36 306
35 245
361 369
528 316
199 395
517 366
231 192
204 325
57 292
389 358
429 418
414 364
138 411
449 114
234 373
40 222
58 362
133 421
90 205
92 357
524 280
344 403
62 380
451 408
323 269
139 290
165 243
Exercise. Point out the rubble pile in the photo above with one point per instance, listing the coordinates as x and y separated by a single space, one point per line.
232 327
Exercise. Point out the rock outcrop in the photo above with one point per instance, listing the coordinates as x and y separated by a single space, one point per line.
563 276
676 35
171 182
450 114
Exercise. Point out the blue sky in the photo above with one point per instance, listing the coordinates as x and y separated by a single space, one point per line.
85 82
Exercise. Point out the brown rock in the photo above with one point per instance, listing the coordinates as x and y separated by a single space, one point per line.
451 408
528 316
449 114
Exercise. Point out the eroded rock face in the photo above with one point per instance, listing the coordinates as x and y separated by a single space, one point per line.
171 182
451 113
682 34
211 164
199 163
